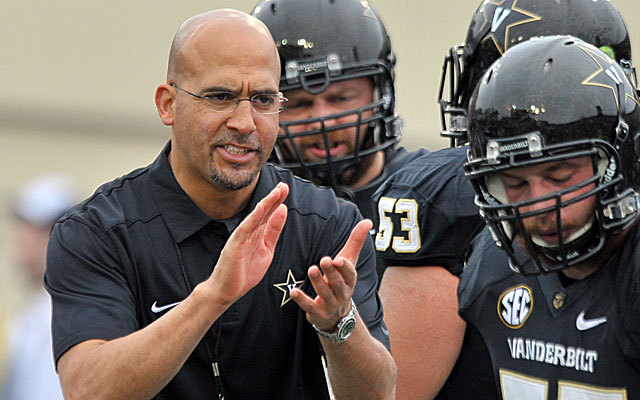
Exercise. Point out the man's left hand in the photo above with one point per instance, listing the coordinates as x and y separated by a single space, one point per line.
335 288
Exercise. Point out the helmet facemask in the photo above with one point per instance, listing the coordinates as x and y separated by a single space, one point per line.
453 113
331 170
512 223
372 127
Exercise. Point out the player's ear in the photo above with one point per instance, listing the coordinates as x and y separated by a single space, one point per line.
165 103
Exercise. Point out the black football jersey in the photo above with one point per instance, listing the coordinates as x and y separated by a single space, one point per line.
426 212
395 160
548 341
426 217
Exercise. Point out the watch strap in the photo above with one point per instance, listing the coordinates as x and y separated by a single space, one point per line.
343 329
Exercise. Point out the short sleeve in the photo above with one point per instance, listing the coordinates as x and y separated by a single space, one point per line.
426 213
90 295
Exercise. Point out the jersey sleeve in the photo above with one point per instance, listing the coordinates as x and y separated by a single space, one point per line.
426 213
89 292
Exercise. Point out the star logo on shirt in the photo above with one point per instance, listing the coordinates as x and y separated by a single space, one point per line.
606 75
286 287
506 15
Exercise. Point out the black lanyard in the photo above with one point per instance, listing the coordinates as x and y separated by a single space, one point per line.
213 357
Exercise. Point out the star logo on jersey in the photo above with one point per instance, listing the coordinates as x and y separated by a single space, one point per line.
286 287
605 76
515 306
502 15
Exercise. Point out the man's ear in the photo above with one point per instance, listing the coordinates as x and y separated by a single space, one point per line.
165 102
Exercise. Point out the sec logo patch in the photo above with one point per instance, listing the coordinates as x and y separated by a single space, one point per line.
515 306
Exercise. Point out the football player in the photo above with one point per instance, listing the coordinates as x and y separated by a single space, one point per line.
339 127
427 213
554 140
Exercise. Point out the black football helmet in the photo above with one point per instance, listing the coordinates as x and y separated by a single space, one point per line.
325 41
552 99
498 25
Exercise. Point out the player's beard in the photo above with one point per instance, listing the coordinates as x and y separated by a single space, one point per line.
578 237
536 227
345 176
355 173
238 176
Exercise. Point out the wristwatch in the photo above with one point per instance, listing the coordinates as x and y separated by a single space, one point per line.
345 327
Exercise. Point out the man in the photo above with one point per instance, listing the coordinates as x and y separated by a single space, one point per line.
339 127
138 312
432 195
35 206
554 148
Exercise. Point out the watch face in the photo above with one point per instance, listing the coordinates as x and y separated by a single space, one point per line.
347 328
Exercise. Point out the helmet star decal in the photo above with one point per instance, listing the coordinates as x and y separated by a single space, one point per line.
506 15
605 76
286 287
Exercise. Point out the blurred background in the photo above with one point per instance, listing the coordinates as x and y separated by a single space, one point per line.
78 79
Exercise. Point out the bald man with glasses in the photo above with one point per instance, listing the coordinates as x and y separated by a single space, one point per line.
209 273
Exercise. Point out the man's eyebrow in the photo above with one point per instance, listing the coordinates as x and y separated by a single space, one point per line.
570 163
566 164
217 89
227 89
506 174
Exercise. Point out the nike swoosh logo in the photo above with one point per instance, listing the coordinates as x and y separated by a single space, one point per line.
155 308
384 330
585 324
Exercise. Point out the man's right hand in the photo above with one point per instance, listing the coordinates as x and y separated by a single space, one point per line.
248 253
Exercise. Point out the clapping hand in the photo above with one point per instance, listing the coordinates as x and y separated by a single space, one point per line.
249 251
335 288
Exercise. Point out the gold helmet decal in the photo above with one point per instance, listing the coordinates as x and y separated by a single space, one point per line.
506 15
515 306
605 75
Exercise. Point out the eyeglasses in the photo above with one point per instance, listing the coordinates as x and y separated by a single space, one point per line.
220 101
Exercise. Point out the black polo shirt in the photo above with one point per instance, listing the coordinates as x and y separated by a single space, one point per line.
140 244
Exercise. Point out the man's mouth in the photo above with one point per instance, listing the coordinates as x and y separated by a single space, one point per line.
236 150
320 151
549 237
236 154
546 239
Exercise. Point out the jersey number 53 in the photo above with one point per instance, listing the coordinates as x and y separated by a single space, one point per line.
407 238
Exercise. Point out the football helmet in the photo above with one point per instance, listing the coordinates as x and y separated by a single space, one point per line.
498 25
553 99
326 41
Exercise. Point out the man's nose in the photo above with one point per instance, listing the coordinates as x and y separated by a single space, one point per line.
320 110
242 118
